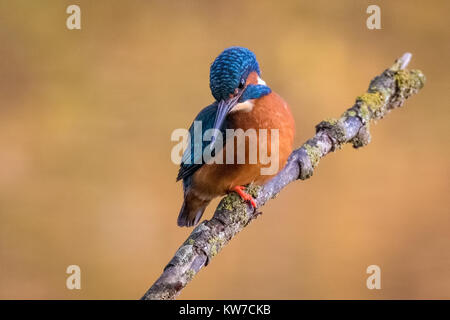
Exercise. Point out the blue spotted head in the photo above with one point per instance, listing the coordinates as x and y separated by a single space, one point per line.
230 70
228 80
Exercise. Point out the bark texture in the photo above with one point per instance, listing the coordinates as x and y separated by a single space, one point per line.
386 92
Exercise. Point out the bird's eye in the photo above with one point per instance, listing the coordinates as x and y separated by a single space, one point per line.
242 84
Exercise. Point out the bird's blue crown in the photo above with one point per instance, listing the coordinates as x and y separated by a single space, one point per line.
230 69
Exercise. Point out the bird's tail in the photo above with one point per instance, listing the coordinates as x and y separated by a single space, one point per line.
191 211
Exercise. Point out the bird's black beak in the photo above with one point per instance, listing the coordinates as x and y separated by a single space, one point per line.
223 109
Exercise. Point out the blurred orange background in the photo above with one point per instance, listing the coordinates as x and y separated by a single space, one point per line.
86 176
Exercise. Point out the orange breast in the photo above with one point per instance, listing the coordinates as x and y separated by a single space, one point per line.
269 113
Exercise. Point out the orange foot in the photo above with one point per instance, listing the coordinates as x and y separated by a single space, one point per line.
244 195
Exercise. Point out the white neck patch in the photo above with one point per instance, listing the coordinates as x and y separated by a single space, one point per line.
245 106
261 81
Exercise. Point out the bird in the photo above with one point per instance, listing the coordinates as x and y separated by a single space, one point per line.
243 101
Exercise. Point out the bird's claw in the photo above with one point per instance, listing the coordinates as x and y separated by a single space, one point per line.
244 195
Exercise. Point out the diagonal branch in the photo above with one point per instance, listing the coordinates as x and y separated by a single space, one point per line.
386 92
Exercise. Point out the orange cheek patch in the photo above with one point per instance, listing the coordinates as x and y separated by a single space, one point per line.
252 78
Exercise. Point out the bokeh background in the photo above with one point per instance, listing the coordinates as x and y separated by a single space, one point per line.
85 170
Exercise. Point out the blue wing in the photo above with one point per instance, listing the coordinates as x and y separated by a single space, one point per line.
192 160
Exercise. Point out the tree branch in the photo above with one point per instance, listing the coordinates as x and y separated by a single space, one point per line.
386 92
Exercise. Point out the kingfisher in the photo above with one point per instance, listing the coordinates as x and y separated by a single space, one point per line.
243 101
